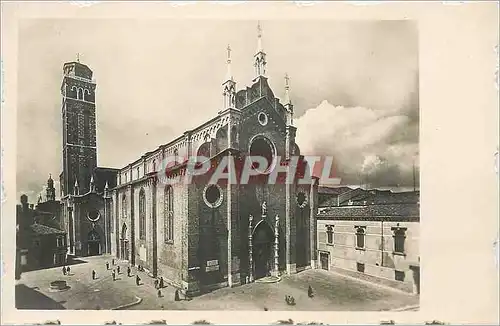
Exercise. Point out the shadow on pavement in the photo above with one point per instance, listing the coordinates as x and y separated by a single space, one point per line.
28 298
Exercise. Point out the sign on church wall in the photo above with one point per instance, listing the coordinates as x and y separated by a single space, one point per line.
212 265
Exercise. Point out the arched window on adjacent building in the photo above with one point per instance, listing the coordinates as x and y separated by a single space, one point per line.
168 214
153 166
329 234
142 214
360 237
399 240
124 206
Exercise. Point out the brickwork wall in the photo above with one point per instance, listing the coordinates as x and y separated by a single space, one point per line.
170 253
83 226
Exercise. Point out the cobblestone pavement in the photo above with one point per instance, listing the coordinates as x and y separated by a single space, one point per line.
332 292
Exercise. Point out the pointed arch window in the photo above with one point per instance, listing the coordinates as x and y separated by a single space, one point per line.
124 206
168 214
142 214
176 156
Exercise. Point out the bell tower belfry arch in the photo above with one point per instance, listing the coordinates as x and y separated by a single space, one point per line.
79 127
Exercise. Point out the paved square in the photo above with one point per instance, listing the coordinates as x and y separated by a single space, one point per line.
333 292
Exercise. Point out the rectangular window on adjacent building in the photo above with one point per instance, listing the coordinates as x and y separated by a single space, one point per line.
60 241
360 267
329 234
399 240
399 276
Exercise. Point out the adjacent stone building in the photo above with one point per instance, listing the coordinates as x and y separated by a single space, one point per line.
199 235
372 234
39 242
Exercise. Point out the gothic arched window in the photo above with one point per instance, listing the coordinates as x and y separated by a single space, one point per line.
142 214
168 213
124 206
80 93
176 156
360 237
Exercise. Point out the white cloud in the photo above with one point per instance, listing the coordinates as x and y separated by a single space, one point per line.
361 142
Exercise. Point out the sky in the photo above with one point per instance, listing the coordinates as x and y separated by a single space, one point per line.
354 86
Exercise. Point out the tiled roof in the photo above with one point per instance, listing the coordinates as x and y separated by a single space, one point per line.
41 229
332 190
390 211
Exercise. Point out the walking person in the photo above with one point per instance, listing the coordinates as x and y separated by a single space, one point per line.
107 266
118 269
156 284
114 275
159 293
310 292
137 280
93 274
113 262
128 271
64 270
161 285
67 270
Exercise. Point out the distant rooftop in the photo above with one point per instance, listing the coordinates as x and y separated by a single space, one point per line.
41 229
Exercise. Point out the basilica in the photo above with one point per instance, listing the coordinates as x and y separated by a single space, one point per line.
198 235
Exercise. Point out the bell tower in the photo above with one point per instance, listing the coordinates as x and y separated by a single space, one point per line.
79 127
50 191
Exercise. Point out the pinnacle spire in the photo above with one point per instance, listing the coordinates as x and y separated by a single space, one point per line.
287 89
229 85
40 198
260 56
229 74
288 102
92 183
76 188
259 38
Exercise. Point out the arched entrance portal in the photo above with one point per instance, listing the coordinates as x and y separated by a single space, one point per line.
124 243
94 243
263 239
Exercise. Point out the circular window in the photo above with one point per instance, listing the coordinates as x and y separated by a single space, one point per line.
262 118
301 199
262 147
93 215
213 196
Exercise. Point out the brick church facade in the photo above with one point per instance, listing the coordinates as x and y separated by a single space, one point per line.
83 184
197 235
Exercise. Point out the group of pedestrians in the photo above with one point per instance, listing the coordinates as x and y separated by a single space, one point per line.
159 283
66 270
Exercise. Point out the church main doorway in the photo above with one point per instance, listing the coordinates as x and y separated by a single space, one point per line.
263 241
94 243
